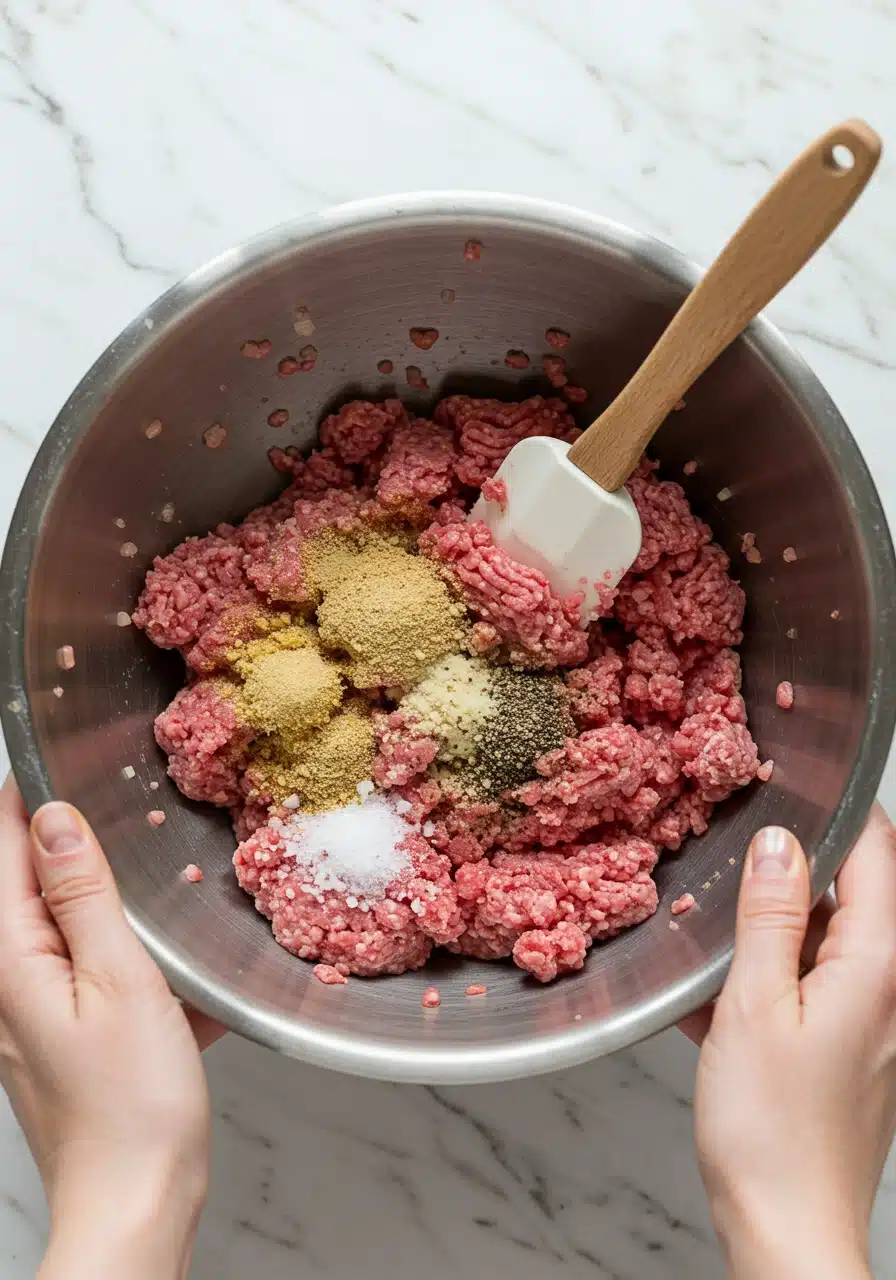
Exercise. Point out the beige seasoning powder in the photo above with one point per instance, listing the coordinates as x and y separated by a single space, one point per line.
393 616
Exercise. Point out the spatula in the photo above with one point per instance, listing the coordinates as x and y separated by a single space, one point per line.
566 511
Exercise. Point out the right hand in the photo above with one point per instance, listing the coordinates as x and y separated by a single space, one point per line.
796 1088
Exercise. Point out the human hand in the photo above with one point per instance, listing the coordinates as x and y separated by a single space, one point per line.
796 1089
100 1061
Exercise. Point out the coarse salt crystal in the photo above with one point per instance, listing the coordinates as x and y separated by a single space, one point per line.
166 515
58 690
835 614
765 770
129 771
128 550
674 926
429 829
724 494
192 873
155 817
65 657
689 467
789 554
154 429
119 523
431 998
791 633
122 619
365 789
291 802
153 786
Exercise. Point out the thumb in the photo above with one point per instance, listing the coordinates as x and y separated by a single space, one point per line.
80 892
772 915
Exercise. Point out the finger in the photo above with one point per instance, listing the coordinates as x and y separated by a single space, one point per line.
696 1025
817 930
80 892
19 881
29 940
866 885
772 915
205 1029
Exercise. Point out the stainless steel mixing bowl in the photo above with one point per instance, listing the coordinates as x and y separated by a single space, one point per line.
759 424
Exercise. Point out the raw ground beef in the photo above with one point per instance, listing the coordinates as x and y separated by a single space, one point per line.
205 742
397 933
187 590
563 861
534 625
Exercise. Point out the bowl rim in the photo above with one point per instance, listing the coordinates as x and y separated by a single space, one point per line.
350 1052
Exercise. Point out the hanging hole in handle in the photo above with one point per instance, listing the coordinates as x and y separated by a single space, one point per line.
840 158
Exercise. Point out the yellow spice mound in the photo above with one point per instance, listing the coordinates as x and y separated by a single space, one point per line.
292 635
392 614
324 768
293 691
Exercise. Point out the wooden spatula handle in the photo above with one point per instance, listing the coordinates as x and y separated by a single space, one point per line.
779 236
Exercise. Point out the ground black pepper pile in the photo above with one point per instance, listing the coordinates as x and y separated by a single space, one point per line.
531 717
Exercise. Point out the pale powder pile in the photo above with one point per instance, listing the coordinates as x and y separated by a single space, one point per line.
451 703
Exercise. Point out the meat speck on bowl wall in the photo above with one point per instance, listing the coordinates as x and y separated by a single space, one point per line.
765 433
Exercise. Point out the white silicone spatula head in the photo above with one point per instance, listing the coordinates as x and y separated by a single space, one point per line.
566 512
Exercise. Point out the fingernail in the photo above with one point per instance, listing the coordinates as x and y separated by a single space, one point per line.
772 853
58 829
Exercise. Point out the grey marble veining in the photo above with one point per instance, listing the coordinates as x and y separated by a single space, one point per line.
140 137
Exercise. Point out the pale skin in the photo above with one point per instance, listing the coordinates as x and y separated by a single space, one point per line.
796 1088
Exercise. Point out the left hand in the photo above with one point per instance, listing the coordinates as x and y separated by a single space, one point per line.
99 1059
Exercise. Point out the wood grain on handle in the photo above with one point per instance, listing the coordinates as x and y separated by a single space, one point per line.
796 216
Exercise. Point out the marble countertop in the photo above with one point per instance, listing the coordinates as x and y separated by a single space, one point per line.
140 137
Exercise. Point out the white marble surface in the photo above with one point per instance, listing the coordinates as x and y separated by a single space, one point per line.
138 138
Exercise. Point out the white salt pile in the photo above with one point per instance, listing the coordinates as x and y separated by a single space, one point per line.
355 850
